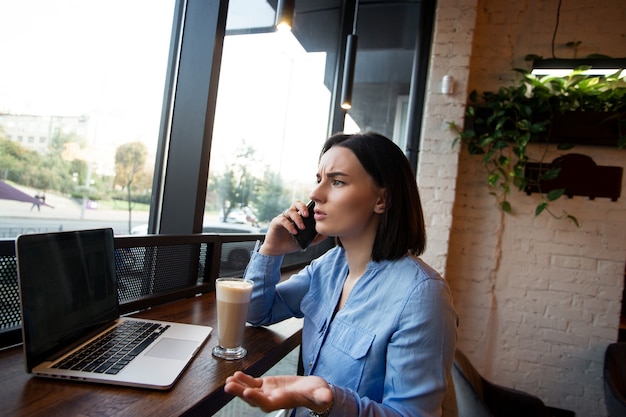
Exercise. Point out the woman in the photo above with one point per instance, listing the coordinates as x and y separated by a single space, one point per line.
379 327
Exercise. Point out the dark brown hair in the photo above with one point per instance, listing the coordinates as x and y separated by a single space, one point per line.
401 229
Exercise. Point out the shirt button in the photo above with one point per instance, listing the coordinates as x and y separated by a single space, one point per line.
310 364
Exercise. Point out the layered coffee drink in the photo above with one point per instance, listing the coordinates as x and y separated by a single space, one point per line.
233 298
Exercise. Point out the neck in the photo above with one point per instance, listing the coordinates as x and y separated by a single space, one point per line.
358 254
359 246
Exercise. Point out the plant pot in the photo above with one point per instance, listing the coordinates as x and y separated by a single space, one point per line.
586 128
579 175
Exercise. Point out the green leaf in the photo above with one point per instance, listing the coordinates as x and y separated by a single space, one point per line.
518 170
505 206
503 160
488 157
520 183
555 194
485 140
574 219
468 134
500 144
523 124
493 179
540 208
524 139
473 149
538 127
565 146
551 174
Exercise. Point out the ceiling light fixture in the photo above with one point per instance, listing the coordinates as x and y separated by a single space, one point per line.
349 62
284 14
563 67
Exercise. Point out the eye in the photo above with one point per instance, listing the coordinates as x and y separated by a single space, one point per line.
337 183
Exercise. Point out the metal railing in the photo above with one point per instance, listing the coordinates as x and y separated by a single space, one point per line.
152 270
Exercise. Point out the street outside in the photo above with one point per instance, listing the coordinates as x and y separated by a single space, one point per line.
64 214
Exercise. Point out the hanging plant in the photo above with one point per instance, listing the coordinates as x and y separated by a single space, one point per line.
501 125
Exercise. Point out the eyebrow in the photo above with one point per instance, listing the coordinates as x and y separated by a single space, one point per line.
334 174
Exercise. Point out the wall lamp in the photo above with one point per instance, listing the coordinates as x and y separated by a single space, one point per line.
563 67
348 64
284 14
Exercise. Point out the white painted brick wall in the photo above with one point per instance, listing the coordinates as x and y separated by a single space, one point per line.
539 299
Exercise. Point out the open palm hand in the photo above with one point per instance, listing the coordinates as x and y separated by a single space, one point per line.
280 392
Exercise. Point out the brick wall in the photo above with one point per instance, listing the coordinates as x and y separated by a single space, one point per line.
539 298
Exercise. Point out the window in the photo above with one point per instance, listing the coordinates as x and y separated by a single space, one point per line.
387 33
83 83
272 113
277 100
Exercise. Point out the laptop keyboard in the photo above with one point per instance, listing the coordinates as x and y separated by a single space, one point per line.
111 352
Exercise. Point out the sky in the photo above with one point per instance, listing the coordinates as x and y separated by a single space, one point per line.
74 57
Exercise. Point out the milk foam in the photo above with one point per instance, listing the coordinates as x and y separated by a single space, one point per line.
234 291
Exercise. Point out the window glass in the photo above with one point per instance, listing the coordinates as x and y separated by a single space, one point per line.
248 15
272 117
86 79
382 74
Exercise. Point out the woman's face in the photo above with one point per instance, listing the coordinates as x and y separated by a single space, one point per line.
347 201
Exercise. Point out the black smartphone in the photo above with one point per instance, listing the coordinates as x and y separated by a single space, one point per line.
306 236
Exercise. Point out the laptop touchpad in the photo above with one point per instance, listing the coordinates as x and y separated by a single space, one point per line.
173 349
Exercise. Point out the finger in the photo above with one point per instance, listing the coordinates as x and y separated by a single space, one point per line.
257 398
246 398
301 208
234 388
295 214
248 380
243 380
289 221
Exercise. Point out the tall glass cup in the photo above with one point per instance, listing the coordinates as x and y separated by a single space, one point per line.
233 298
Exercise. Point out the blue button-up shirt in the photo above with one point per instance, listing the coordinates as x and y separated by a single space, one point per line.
388 351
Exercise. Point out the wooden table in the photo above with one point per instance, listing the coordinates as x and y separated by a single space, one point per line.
198 392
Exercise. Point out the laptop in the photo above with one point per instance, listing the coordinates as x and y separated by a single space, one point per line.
69 299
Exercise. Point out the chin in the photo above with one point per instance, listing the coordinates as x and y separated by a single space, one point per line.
323 231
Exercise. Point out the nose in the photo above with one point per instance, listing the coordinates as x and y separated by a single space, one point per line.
315 194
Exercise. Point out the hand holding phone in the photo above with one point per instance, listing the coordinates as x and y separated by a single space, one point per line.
306 236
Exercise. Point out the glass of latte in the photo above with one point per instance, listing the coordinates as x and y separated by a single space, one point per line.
233 298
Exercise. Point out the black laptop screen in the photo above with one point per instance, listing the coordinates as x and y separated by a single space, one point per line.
68 288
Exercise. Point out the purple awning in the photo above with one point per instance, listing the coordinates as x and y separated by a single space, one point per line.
8 192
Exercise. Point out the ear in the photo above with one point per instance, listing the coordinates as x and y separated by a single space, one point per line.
381 203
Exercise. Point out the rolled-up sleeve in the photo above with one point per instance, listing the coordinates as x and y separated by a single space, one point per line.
273 301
